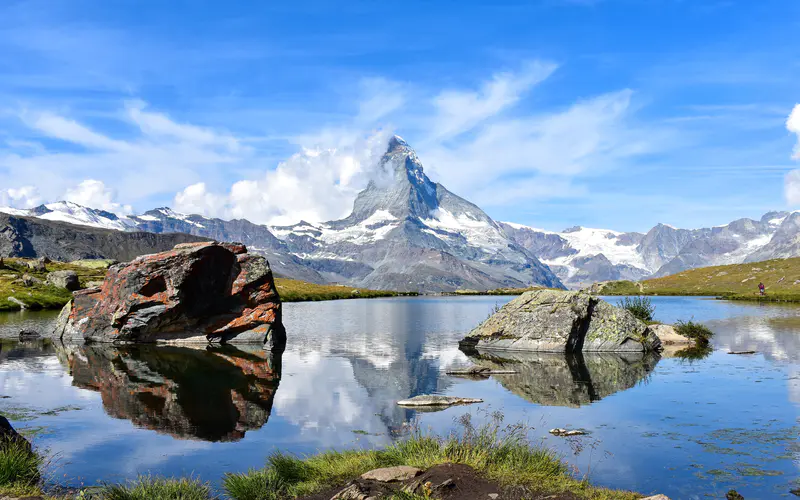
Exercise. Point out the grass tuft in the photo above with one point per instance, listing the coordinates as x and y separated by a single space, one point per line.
19 467
501 453
156 488
642 308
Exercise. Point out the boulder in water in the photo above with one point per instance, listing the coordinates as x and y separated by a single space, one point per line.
196 292
562 321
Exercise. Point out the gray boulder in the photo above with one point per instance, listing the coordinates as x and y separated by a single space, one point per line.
64 279
560 321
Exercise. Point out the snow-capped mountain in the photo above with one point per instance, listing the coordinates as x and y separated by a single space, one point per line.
408 233
581 256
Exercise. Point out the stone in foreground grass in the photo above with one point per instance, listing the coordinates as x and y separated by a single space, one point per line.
501 454
19 468
154 488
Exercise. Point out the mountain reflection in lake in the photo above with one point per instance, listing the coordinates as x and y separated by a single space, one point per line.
569 379
212 393
686 429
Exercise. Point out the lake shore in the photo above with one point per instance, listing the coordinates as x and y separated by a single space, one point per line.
22 282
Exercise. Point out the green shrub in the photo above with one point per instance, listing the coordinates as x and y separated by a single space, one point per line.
695 331
155 488
642 308
19 467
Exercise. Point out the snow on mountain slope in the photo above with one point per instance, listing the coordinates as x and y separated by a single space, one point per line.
72 213
583 255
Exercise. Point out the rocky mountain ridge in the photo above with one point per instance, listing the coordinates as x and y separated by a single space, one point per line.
407 232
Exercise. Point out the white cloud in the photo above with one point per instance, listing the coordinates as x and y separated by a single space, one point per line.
793 125
23 197
314 185
478 143
93 193
791 187
458 111
791 183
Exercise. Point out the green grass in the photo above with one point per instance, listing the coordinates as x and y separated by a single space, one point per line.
43 296
156 488
496 291
501 454
301 291
19 468
735 281
642 308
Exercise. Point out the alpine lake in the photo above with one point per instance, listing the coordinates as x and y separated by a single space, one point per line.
689 429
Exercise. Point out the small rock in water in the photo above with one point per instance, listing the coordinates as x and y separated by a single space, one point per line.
733 495
742 352
567 433
795 492
478 370
28 335
438 401
390 474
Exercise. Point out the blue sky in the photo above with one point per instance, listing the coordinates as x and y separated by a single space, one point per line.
553 113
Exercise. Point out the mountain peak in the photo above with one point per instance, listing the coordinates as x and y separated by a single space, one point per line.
397 142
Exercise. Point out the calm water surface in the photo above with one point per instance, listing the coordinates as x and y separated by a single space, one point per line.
689 430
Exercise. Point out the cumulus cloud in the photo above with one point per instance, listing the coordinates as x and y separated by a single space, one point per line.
95 194
22 198
149 154
791 185
313 185
793 126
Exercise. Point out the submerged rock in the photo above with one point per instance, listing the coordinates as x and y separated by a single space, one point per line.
25 335
197 292
560 321
567 432
478 371
438 401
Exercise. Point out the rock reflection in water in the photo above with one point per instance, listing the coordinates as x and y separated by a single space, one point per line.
213 394
574 380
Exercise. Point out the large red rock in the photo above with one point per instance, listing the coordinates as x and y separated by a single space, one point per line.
208 292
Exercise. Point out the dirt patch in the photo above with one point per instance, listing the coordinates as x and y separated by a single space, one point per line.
445 482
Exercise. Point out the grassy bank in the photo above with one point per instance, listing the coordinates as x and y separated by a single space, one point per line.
301 291
735 281
502 455
496 291
40 295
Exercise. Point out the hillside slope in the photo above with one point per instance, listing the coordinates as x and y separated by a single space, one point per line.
780 276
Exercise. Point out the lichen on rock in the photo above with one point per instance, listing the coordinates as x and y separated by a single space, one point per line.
561 321
196 292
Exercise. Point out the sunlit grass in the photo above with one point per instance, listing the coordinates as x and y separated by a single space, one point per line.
156 488
301 291
500 453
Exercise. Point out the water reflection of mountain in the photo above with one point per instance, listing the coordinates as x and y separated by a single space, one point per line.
568 379
212 394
